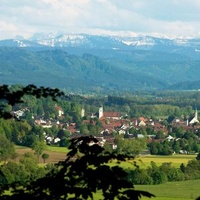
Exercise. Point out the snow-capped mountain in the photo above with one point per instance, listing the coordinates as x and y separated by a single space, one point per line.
74 40
71 40
102 42
18 43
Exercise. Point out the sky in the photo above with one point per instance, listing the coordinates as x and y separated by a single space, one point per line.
171 18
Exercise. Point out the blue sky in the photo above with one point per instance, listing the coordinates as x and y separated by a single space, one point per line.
173 18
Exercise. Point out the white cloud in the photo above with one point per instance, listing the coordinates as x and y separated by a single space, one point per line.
6 29
171 16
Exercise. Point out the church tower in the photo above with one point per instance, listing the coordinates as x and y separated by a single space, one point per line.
82 112
196 114
195 118
100 112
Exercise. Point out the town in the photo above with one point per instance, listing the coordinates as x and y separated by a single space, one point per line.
106 125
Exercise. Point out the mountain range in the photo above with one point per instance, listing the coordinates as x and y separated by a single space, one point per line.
93 63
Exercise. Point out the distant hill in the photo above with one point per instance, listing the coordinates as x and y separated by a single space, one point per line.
187 85
85 63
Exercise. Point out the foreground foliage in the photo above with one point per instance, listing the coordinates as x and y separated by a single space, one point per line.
26 170
11 96
83 173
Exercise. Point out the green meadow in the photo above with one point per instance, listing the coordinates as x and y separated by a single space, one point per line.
48 148
57 149
183 190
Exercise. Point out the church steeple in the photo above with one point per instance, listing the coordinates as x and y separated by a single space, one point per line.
196 114
82 112
100 112
195 118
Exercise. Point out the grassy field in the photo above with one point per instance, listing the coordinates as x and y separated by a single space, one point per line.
183 190
59 153
48 148
56 154
57 149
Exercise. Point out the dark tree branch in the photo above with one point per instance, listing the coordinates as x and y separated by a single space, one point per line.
9 97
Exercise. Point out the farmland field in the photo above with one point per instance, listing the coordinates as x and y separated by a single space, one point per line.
145 161
176 160
56 154
59 153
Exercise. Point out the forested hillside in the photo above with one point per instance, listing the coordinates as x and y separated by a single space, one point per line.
97 66
57 68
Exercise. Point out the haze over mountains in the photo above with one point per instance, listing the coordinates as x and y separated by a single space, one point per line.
89 63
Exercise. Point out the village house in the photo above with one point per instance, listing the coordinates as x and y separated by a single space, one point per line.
19 113
43 123
113 122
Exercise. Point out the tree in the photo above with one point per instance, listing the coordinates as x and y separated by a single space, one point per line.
45 156
37 131
39 147
84 129
30 163
153 148
84 171
19 130
14 172
108 147
29 139
63 134
179 132
129 147
155 173
64 142
198 156
173 173
10 96
140 177
176 146
160 135
7 149
192 169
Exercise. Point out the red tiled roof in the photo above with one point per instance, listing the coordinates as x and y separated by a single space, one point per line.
114 123
111 114
142 119
72 129
58 108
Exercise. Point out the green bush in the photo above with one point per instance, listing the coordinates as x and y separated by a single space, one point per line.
139 177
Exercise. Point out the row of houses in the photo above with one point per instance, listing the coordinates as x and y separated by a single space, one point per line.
113 121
